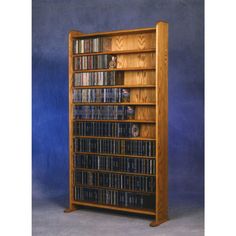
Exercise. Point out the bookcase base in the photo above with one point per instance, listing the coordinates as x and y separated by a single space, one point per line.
156 223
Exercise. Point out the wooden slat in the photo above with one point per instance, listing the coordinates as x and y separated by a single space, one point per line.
117 121
114 86
114 104
115 155
110 188
113 172
118 69
140 211
116 138
115 52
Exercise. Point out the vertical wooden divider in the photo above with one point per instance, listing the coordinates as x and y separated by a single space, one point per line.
72 34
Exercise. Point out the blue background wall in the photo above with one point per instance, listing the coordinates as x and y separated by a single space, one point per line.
52 20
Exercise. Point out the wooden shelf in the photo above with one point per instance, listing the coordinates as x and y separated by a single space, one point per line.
113 86
114 103
117 121
114 155
114 172
110 188
118 69
116 138
115 52
132 210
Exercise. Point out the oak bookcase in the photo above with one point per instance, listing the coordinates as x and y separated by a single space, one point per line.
142 55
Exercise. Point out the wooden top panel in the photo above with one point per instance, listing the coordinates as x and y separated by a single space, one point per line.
77 34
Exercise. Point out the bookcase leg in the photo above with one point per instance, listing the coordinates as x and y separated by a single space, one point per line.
157 222
70 209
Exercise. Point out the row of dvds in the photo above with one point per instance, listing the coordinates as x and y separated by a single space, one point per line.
101 95
99 78
92 62
123 147
115 198
92 45
110 180
104 112
106 129
121 164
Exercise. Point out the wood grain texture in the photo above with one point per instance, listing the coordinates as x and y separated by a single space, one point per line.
143 60
139 77
145 113
162 122
147 131
143 95
133 42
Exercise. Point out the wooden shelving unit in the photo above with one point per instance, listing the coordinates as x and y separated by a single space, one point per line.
142 57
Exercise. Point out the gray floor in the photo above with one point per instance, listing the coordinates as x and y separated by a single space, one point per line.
49 220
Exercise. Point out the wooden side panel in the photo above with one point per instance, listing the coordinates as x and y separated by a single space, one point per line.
162 122
142 95
145 113
136 60
133 41
147 131
139 77
70 71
